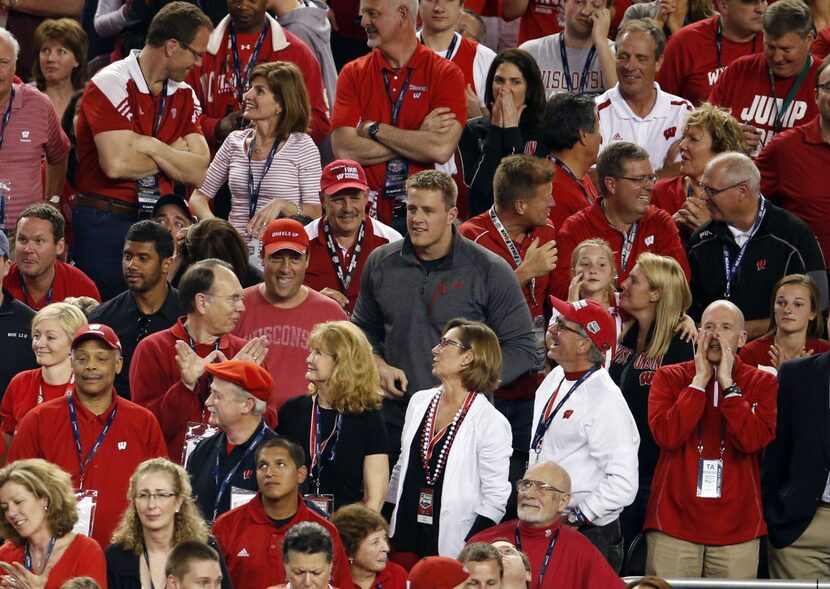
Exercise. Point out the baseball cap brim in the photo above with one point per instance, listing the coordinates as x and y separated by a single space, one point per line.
284 245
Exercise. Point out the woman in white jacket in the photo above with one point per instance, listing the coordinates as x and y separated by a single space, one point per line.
451 479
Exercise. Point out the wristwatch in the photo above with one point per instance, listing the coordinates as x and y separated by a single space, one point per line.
573 519
372 130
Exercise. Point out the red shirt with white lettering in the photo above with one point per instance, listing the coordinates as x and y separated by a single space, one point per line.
691 66
118 99
745 88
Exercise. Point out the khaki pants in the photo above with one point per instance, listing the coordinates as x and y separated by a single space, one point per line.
670 557
809 556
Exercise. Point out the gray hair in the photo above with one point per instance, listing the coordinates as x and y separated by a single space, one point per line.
650 27
11 40
738 167
787 16
242 395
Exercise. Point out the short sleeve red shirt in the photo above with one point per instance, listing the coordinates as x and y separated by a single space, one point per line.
135 436
69 281
542 18
361 95
745 89
118 99
691 65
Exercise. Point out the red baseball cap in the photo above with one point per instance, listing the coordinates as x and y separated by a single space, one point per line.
97 331
342 174
594 319
284 234
251 377
437 572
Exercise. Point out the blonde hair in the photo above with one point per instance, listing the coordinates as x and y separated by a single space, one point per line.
609 253
69 317
47 481
665 274
354 382
722 127
188 523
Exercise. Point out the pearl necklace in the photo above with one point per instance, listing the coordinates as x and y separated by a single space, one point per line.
427 436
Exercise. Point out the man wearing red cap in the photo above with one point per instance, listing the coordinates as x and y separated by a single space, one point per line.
284 311
340 241
438 572
167 373
582 422
222 466
93 434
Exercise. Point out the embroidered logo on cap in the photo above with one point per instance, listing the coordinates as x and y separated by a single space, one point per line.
593 327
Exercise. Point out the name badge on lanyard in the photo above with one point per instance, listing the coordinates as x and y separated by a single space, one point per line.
710 471
87 503
425 505
397 169
148 189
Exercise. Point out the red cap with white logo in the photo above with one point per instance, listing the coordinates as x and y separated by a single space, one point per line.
284 234
342 174
97 331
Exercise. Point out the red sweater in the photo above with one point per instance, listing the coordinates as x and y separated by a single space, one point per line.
656 233
674 411
756 352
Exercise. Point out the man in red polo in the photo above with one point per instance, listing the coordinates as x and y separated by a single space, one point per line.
341 240
251 536
794 167
167 372
624 216
517 229
399 110
773 91
247 37
96 436
138 133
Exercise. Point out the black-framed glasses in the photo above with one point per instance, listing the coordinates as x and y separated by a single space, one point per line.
710 192
444 342
525 485
643 180
560 324
163 496
143 323
197 54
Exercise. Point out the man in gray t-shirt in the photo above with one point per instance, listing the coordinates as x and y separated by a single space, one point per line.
580 59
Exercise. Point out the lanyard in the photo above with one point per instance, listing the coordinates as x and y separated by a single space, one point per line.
719 42
147 560
396 104
778 122
253 193
70 386
161 109
224 486
722 439
570 173
511 247
27 556
548 552
23 282
625 253
73 416
583 80
237 65
6 117
317 447
732 269
345 279
450 49
548 413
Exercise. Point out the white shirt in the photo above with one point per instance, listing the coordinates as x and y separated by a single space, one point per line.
595 439
655 132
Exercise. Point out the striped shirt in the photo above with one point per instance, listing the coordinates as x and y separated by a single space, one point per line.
294 175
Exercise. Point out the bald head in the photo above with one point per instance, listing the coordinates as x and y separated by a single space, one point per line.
550 473
725 322
724 306
732 167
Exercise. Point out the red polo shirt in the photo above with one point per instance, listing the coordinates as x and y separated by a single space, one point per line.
321 274
46 432
570 195
656 233
361 95
69 281
794 175
156 382
251 544
690 64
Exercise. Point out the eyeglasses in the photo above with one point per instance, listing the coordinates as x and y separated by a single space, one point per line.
143 323
644 180
525 485
145 496
710 192
232 299
444 342
560 324
197 54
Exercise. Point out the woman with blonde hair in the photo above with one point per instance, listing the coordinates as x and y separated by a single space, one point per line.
656 295
39 512
339 422
161 514
53 328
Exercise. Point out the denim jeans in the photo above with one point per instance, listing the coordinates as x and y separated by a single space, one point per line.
99 245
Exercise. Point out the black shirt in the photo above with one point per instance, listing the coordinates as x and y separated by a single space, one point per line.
361 435
16 353
131 326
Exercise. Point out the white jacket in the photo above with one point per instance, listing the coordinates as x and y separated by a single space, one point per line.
476 476
594 438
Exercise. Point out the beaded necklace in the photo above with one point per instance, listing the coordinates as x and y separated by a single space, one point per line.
430 438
